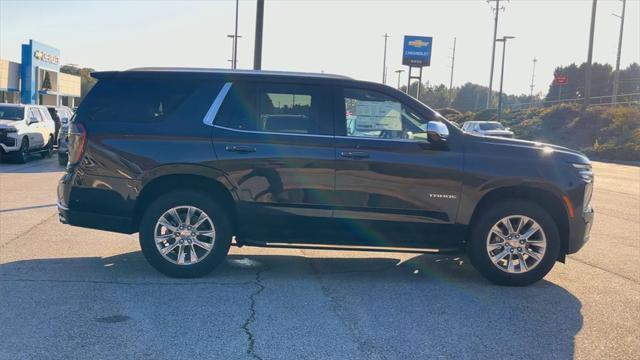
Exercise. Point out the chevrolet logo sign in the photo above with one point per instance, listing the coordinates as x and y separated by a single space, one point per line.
418 43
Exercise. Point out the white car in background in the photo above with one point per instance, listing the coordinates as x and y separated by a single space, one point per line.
487 128
25 129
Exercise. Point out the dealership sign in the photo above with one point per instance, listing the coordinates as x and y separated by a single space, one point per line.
417 51
46 57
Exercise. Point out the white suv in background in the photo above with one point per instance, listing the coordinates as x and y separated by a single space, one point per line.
487 128
25 129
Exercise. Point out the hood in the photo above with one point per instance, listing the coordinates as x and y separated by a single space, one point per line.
530 148
9 123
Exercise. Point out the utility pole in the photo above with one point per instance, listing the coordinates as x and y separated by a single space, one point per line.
384 59
453 62
399 72
493 50
587 78
233 60
504 51
257 50
616 75
533 77
235 40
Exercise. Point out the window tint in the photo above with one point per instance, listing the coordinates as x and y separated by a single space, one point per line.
372 114
142 100
11 113
282 108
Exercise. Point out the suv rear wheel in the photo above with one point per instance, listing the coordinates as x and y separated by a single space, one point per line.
48 149
514 243
185 234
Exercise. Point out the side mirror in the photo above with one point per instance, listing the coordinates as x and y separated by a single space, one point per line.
31 120
64 120
437 131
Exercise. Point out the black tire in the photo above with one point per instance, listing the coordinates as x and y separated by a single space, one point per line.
48 149
23 154
477 242
201 201
63 159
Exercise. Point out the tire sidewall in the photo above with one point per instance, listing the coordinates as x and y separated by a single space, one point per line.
185 198
23 153
478 236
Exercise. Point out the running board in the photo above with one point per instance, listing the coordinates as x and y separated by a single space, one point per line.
346 247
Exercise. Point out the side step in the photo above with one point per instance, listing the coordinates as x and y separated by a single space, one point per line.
344 247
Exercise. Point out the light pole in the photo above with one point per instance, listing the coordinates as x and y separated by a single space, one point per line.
493 49
257 50
384 59
453 62
587 76
234 44
235 39
616 75
504 51
399 72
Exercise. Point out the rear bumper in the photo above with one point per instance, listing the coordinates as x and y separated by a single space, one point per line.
88 201
95 221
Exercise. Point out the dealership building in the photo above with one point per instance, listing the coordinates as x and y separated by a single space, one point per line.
37 79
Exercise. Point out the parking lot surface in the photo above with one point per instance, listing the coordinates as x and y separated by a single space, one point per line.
69 292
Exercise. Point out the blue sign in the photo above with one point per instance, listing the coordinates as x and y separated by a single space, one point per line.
36 56
417 50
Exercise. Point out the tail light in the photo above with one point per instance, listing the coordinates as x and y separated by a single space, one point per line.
77 142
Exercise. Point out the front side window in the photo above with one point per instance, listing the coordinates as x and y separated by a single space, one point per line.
35 114
294 109
375 115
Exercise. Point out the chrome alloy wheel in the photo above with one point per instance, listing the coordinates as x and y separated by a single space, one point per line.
516 244
184 235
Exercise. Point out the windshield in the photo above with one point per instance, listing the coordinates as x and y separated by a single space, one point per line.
491 126
15 113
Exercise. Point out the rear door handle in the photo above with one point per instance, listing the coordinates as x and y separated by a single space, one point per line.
354 154
240 149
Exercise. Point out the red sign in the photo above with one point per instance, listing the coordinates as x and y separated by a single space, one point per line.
561 79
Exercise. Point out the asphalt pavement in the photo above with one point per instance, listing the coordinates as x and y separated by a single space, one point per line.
74 293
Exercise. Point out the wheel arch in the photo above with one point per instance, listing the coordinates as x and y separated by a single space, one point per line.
548 200
217 187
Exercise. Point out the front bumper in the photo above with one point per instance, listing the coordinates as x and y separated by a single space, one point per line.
580 230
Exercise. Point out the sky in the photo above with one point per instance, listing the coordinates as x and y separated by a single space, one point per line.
342 37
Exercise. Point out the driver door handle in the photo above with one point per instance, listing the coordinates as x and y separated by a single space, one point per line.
240 149
354 154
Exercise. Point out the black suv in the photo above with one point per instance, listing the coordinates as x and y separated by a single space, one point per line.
198 160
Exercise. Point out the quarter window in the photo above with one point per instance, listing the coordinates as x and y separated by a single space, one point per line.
295 109
375 115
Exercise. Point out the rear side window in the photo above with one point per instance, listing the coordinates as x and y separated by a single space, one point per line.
279 108
146 100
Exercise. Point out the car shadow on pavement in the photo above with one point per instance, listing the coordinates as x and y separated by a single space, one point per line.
428 305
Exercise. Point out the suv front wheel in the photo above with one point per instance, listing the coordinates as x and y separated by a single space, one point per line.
514 243
185 234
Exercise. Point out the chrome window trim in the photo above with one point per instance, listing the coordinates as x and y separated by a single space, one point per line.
217 103
315 135
272 132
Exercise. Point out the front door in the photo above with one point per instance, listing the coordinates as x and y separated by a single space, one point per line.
393 187
275 143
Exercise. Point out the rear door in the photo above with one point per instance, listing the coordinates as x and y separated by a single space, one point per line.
275 141
393 187
34 130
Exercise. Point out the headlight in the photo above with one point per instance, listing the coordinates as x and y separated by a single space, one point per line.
584 171
12 130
